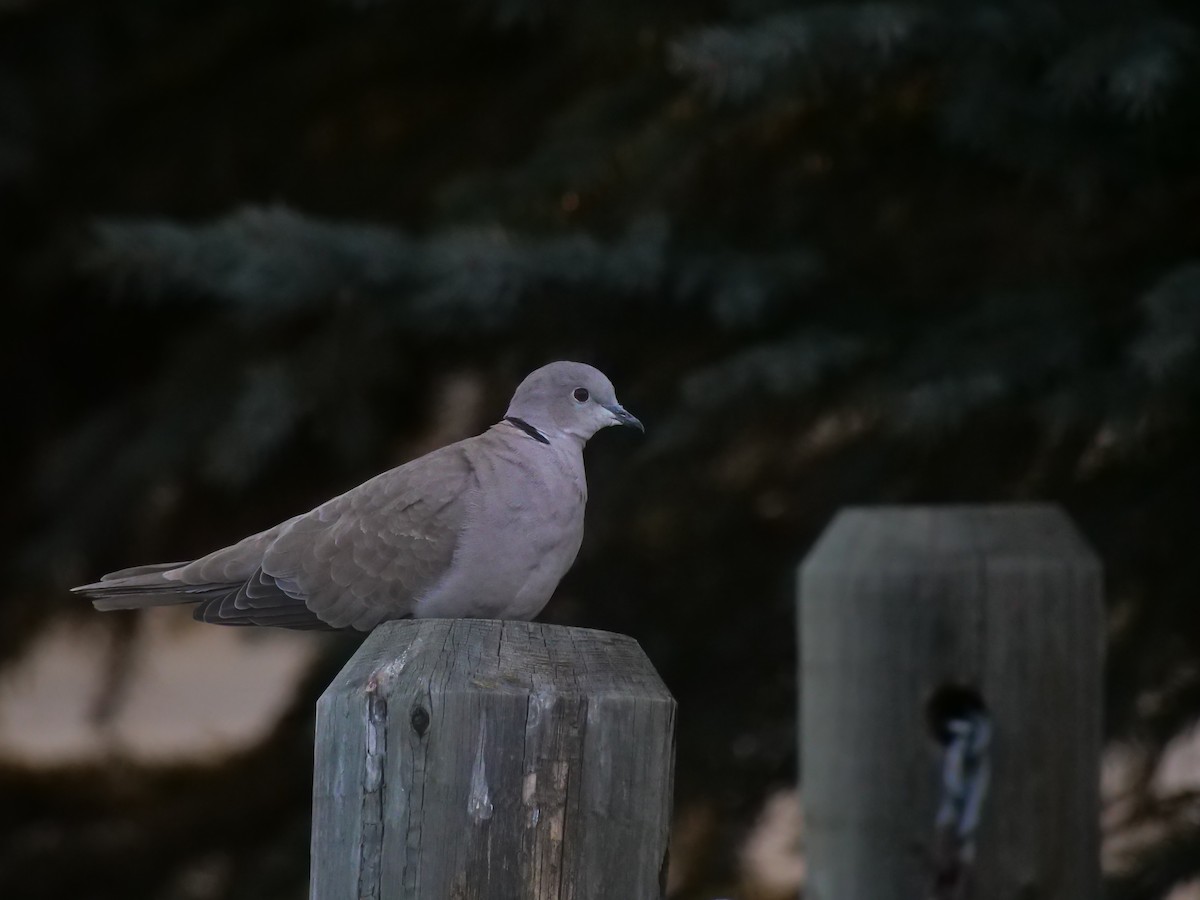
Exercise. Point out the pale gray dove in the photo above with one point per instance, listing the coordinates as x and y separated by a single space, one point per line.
483 528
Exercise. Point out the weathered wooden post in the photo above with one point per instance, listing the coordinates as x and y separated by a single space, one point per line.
484 760
988 621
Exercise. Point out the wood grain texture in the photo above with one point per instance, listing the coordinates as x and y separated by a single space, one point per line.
473 759
897 602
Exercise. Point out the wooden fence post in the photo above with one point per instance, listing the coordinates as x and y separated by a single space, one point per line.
990 616
485 760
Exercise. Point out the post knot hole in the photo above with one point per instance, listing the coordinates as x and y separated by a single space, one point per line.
951 704
420 720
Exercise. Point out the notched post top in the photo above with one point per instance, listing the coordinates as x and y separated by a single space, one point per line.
899 536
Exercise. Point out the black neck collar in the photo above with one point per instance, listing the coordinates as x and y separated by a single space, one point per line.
527 428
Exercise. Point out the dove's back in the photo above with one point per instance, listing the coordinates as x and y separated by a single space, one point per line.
484 527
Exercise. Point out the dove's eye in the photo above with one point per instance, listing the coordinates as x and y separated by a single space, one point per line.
580 394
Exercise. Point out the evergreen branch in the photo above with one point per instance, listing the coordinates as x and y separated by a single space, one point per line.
737 63
1128 71
274 261
259 257
785 368
1166 346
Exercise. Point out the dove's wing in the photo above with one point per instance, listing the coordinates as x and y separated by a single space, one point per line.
354 561
360 558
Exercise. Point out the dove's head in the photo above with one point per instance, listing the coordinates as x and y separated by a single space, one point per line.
569 398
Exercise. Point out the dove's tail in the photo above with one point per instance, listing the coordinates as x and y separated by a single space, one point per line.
138 587
256 600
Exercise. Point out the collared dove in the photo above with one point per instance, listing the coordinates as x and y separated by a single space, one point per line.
483 528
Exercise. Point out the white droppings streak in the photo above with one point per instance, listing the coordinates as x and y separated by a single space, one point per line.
541 701
479 801
396 666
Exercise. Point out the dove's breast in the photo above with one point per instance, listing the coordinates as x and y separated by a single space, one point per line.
524 528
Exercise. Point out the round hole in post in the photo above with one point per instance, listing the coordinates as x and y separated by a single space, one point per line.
895 602
950 703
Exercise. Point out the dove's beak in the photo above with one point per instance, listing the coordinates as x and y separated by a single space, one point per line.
622 416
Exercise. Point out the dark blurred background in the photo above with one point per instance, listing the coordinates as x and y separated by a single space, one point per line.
254 252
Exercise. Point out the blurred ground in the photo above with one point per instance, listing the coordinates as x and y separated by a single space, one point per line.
189 694
198 694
